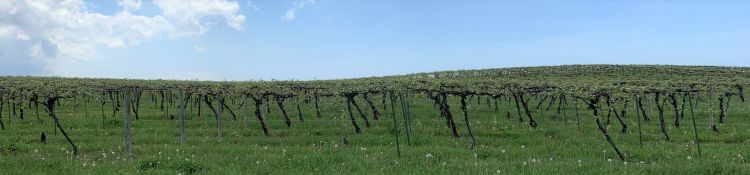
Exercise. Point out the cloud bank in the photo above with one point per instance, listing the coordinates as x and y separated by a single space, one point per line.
36 36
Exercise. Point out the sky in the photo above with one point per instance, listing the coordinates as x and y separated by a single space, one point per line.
333 39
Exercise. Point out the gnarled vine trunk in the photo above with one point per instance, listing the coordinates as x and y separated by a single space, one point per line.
317 107
351 115
639 103
662 123
447 112
594 105
217 113
362 114
50 105
675 109
524 102
375 112
280 102
466 120
259 113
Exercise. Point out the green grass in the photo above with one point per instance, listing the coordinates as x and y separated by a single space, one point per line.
316 146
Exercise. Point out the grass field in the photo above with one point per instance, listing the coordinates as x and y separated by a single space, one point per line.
315 146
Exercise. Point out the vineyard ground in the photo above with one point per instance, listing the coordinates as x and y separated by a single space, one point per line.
316 146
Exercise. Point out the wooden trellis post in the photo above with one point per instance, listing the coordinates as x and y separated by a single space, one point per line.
128 138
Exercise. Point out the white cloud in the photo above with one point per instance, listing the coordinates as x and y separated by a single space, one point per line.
129 5
289 15
301 4
10 31
200 49
37 52
291 12
186 15
68 26
252 6
54 31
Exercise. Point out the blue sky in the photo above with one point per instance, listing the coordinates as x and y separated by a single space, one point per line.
322 39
